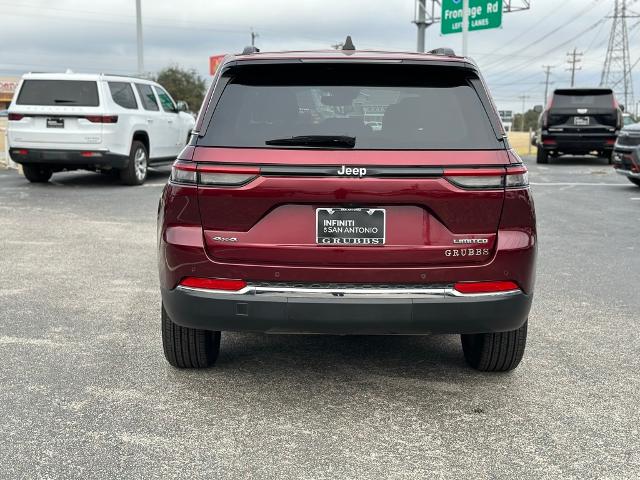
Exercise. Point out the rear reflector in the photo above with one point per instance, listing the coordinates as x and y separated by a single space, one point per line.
102 118
14 117
213 283
485 287
21 151
91 154
548 141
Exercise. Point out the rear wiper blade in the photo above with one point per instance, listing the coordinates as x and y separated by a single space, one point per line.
316 141
62 100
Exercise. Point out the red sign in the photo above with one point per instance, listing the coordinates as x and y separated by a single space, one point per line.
214 62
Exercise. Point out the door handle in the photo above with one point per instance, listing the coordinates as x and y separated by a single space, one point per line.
170 121
149 120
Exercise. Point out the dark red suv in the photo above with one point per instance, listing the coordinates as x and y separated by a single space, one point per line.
347 192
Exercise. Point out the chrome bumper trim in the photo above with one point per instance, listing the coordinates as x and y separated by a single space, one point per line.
350 292
627 173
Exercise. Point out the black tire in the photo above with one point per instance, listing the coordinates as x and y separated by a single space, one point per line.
635 181
188 347
542 156
37 173
495 352
135 173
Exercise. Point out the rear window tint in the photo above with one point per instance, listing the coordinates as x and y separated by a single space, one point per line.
122 94
147 97
586 98
76 93
384 107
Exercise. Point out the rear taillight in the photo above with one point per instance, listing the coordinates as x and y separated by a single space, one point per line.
483 178
545 119
221 176
225 284
516 177
101 118
226 176
488 178
186 173
474 288
15 117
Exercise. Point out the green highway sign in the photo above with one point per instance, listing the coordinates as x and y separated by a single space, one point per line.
483 14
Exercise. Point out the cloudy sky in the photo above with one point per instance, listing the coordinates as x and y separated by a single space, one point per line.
100 36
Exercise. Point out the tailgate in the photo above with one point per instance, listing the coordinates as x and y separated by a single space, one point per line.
424 218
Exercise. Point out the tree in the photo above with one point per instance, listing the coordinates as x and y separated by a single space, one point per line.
183 84
530 121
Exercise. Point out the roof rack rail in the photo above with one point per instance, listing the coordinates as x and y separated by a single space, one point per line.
443 51
250 49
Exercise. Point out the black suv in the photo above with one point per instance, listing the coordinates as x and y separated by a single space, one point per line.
579 121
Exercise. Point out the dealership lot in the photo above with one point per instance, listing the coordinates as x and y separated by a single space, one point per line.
85 390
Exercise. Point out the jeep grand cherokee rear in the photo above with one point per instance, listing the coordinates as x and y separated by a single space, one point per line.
579 121
289 213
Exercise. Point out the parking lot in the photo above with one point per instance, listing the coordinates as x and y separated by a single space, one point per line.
85 390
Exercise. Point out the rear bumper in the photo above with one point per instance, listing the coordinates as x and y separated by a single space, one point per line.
577 142
68 158
343 312
626 162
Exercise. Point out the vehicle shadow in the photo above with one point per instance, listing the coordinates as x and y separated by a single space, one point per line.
331 356
579 160
93 179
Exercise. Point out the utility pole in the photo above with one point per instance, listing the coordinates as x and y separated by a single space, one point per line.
465 27
574 58
617 71
254 35
524 98
547 72
139 37
421 23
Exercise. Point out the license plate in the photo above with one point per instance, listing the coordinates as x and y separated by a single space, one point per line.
581 121
350 226
55 122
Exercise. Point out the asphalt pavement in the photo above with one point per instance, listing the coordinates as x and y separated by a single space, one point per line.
85 391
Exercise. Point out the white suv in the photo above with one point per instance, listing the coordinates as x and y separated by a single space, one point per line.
68 121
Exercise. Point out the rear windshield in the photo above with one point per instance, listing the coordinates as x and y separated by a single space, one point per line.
76 93
382 107
584 98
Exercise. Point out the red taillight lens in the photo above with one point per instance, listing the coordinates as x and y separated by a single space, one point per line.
230 176
471 288
610 141
15 117
488 178
209 175
517 177
102 118
548 141
224 284
183 172
485 178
